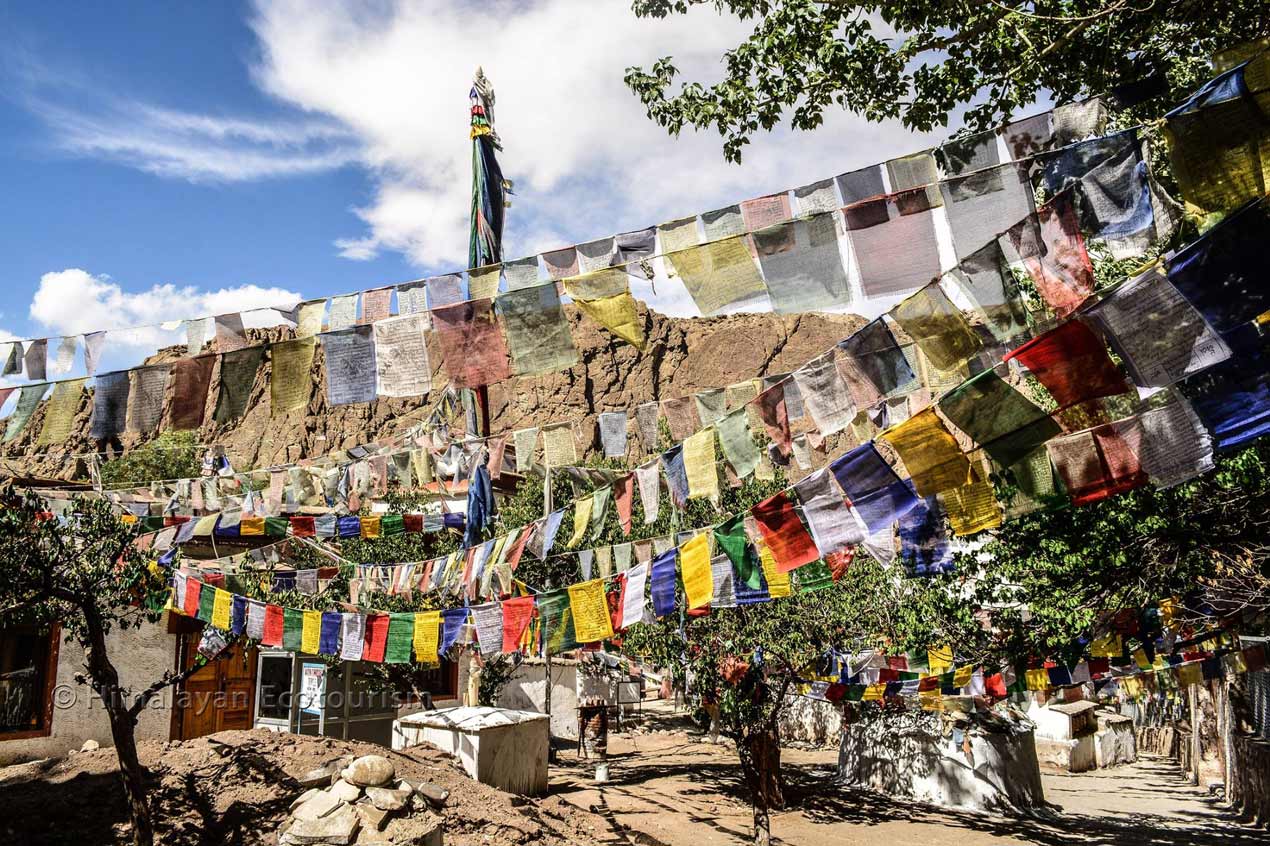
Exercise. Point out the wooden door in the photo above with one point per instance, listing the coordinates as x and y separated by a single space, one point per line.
219 696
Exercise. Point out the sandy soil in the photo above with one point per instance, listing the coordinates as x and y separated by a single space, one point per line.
678 790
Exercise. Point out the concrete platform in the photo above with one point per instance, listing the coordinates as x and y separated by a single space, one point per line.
500 747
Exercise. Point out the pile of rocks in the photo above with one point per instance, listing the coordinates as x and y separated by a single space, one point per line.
360 801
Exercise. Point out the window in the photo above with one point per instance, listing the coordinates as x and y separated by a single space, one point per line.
28 668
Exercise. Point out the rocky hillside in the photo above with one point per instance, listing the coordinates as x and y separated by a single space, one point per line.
682 356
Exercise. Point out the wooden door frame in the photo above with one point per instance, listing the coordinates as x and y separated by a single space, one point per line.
184 629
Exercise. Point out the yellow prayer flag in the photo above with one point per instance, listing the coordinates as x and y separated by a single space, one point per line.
778 583
482 282
700 467
972 508
220 609
59 411
694 566
874 693
581 520
127 518
962 676
616 314
1132 686
930 453
370 526
1235 663
311 632
1140 658
939 659
1168 611
1189 674
251 526
590 608
1107 646
931 701
426 636
1038 679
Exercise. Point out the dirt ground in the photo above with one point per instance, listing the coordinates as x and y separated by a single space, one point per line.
235 787
676 789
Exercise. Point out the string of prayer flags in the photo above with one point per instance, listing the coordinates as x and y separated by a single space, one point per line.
694 567
1052 250
59 412
1219 143
538 336
930 453
997 417
589 606
881 228
145 397
663 582
874 489
783 533
1220 273
826 396
402 368
292 376
237 376
737 443
472 344
110 405
1072 363
937 327
700 466
1171 444
718 274
802 265
191 382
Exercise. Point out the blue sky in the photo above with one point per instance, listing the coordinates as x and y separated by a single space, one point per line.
166 160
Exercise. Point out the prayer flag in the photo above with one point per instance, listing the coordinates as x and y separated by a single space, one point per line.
732 539
1072 363
825 394
472 344
591 620
694 564
292 375
427 633
718 274
581 520
624 495
872 486
663 582
145 397
929 452
517 614
681 417
783 533
1000 419
59 411
1095 464
402 368
350 365
376 639
401 626
633 595
612 425
329 641
773 411
833 526
292 629
883 227
275 625
237 376
738 445
311 632
222 604
1051 247
802 265
110 405
558 445
700 466
191 381
648 478
538 336
937 327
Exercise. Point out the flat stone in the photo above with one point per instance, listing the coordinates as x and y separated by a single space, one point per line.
337 829
369 771
90 745
345 791
372 817
435 795
387 800
319 777
319 805
304 797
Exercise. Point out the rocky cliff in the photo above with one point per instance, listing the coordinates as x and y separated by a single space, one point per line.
681 356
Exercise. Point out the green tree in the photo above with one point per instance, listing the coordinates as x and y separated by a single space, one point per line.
919 61
172 455
85 574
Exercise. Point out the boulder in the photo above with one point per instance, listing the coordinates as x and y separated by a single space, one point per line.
386 799
321 804
336 829
345 791
90 745
369 771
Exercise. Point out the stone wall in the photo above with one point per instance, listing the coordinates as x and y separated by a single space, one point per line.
141 655
1249 788
807 720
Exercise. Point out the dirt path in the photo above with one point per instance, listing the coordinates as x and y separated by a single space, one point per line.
675 789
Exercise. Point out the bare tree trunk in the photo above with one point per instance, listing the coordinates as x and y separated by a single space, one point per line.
105 681
760 753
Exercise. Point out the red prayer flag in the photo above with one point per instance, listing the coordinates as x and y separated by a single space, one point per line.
783 531
1053 251
303 527
376 639
1072 363
775 417
273 626
1099 666
516 616
192 589
518 548
624 493
472 344
839 562
994 685
412 523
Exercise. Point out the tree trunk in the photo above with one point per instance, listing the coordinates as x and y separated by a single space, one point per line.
760 753
105 681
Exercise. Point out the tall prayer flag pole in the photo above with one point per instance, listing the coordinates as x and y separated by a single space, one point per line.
489 197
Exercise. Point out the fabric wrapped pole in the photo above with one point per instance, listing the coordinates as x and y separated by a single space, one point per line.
350 365
472 344
538 336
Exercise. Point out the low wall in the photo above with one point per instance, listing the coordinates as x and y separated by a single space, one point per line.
814 721
1249 788
141 655
526 691
907 756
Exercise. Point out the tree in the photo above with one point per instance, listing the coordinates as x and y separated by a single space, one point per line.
920 60
85 573
172 455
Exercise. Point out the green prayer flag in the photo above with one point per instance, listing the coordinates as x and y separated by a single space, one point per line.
738 445
392 524
557 620
401 630
813 577
292 629
276 527
599 510
855 692
206 602
732 540
1000 419
237 375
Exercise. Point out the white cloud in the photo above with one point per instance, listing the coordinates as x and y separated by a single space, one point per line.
74 301
585 159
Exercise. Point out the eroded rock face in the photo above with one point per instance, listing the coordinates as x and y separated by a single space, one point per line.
681 357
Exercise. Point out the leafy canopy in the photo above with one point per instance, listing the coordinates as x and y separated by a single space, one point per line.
919 61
